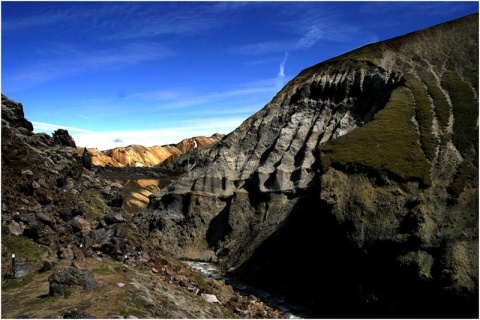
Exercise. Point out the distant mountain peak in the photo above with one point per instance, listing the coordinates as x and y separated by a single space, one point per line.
141 156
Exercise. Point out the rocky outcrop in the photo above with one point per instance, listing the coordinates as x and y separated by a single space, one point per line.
50 195
366 163
141 156
68 229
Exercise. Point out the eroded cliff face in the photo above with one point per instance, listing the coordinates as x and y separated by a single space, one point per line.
367 164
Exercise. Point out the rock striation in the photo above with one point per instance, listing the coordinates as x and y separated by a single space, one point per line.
356 187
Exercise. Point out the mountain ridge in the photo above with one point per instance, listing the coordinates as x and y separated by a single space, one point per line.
376 151
141 156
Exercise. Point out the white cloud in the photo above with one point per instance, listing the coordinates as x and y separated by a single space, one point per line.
162 136
49 127
280 79
314 34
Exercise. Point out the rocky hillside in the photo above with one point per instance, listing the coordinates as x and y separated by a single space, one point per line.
355 188
70 251
141 156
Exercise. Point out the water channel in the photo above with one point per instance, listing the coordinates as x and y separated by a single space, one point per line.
290 310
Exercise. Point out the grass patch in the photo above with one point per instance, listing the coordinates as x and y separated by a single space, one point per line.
23 248
389 143
67 294
124 314
467 174
371 53
440 103
8 284
104 270
424 115
465 112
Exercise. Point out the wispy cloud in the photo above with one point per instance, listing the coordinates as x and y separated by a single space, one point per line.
280 79
172 99
263 47
171 18
312 36
49 127
303 25
72 62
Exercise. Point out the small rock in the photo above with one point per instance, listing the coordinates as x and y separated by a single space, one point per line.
81 224
113 217
77 314
21 270
210 298
15 228
27 173
47 265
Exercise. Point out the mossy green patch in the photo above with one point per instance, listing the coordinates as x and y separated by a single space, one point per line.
440 103
22 247
95 205
8 284
465 113
371 53
467 174
389 143
25 250
424 115
104 270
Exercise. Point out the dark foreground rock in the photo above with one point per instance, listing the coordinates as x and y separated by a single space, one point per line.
63 279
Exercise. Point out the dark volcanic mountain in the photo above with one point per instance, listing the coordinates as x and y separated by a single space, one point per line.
356 187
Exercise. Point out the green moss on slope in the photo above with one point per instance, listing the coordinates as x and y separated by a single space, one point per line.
440 103
387 144
424 115
465 130
465 113
371 53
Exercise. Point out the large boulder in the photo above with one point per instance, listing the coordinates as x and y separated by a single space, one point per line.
62 280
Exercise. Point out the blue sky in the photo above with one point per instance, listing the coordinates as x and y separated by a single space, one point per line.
154 73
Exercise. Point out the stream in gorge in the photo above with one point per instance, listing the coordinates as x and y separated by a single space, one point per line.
289 309
136 192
